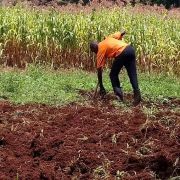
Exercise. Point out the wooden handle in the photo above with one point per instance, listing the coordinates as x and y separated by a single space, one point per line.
95 92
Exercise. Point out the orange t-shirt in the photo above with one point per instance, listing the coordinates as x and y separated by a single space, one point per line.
111 47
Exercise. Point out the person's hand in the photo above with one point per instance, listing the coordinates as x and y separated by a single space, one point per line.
102 92
123 33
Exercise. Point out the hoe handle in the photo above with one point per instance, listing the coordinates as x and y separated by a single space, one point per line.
95 91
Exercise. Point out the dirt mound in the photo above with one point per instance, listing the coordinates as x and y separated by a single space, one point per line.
86 142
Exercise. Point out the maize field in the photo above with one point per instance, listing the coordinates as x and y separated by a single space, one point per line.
61 39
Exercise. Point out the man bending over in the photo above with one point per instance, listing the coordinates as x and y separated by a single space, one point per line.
124 55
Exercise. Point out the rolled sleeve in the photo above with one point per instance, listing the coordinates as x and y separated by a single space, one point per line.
116 35
101 58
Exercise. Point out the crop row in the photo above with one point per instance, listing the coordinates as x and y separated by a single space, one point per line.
62 39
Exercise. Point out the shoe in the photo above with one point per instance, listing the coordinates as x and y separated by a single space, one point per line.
118 92
137 97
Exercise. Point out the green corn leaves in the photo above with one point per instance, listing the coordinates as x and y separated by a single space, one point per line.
62 39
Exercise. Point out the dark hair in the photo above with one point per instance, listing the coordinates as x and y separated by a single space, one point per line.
94 46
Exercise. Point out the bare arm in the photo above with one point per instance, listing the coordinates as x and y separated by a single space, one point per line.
118 35
99 74
102 89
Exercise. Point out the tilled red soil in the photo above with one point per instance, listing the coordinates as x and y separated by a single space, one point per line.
93 141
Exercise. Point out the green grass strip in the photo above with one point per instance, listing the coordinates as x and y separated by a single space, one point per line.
42 85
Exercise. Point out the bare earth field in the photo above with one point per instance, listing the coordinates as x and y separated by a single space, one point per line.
93 141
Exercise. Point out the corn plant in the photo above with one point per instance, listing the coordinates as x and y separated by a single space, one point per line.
62 39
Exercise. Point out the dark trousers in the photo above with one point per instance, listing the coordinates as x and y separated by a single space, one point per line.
128 59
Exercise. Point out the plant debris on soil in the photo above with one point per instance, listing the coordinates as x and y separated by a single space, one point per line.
94 141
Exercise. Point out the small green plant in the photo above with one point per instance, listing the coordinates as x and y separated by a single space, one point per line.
102 172
120 175
150 112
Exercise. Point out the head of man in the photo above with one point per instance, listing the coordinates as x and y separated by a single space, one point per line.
94 46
